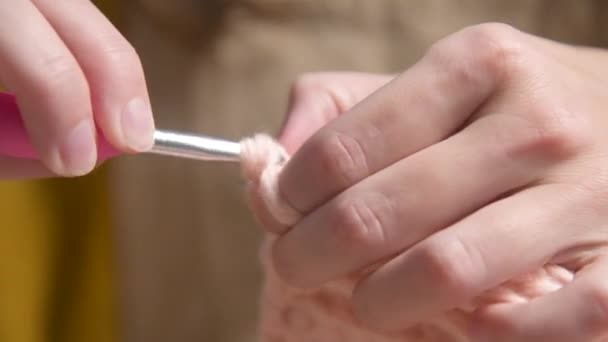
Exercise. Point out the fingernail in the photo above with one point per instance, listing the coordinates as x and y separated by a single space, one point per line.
78 152
138 125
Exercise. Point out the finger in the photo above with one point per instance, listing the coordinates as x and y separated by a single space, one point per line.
14 168
51 89
315 99
498 242
410 200
424 105
577 312
318 98
118 89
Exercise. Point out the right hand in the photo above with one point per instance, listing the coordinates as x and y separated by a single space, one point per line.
316 99
482 162
72 71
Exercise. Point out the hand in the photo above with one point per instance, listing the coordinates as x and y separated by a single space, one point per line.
71 71
485 160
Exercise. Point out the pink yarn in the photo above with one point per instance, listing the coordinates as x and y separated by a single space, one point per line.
261 162
324 314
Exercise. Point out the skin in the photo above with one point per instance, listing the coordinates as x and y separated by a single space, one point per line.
71 71
492 146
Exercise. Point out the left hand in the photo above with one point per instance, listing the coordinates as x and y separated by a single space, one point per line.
485 160
74 75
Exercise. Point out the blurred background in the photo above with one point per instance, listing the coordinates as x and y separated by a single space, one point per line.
157 249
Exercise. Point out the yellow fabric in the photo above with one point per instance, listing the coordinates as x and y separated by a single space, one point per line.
55 259
55 262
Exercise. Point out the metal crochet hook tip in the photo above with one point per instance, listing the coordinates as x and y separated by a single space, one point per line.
191 146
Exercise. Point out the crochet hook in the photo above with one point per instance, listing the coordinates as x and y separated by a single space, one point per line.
199 147
14 141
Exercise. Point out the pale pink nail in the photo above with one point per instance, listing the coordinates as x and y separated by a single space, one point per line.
78 152
138 125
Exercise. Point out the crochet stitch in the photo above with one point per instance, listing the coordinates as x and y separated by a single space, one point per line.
324 314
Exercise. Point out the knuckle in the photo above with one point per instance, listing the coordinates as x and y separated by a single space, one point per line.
551 131
480 54
452 263
119 57
343 158
493 37
361 222
59 73
498 48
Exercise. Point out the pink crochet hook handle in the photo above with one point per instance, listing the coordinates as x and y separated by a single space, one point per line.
14 140
15 143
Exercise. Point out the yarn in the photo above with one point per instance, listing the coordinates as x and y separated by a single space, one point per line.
324 313
262 160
